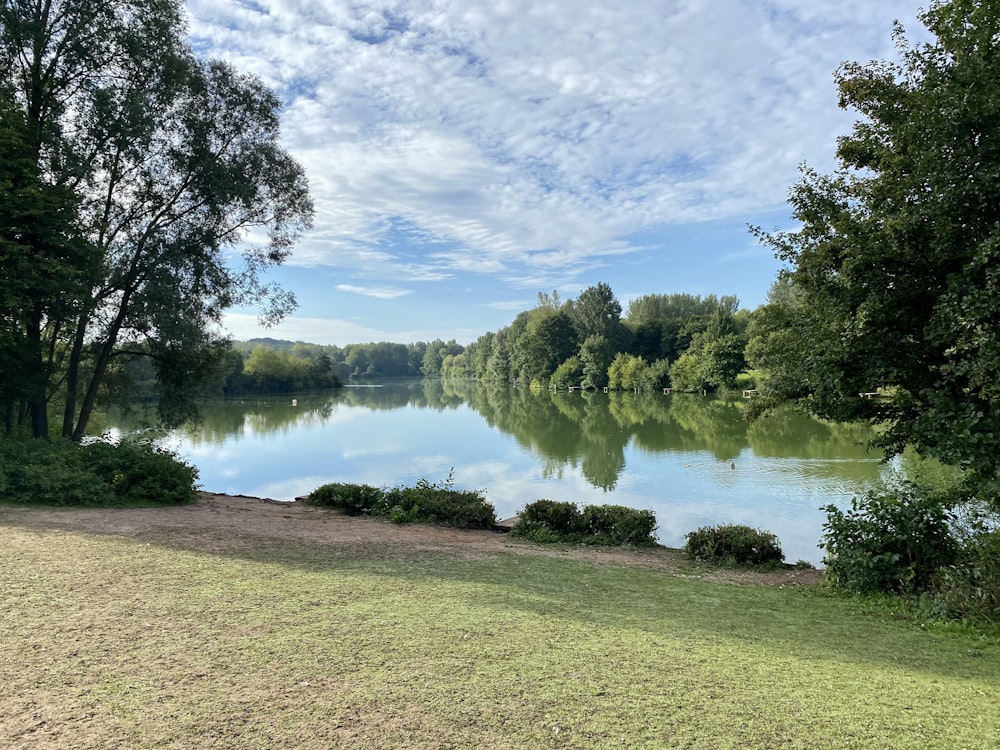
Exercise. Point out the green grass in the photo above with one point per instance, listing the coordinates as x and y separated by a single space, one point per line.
115 643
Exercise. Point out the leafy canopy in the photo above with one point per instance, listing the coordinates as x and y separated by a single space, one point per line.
896 267
133 169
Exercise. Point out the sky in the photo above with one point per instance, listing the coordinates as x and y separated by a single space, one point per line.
464 155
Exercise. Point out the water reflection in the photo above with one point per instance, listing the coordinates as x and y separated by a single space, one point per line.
693 460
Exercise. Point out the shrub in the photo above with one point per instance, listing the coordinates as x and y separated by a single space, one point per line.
50 473
616 524
141 471
552 521
733 544
99 473
353 499
893 541
438 503
427 502
970 588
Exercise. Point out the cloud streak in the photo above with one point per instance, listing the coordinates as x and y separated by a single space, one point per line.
378 293
532 142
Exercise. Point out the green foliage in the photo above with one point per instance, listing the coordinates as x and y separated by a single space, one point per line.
269 370
352 499
596 312
596 355
893 541
553 521
894 265
721 350
657 376
99 473
438 503
653 308
618 525
165 163
426 502
733 544
549 520
628 372
568 374
685 373
49 473
969 589
141 471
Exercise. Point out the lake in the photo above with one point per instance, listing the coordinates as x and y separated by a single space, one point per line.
693 460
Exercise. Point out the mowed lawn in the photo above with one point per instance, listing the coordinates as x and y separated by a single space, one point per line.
111 642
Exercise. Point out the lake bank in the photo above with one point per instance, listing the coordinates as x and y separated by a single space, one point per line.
229 524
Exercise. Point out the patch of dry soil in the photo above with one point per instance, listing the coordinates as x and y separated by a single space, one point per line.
229 523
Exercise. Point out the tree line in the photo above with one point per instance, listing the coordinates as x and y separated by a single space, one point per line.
268 365
683 341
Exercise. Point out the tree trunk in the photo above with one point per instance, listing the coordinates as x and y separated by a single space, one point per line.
73 377
37 402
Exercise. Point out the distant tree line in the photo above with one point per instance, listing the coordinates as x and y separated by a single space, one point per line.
682 341
268 365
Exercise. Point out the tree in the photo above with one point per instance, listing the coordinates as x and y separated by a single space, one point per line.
434 356
548 340
773 339
596 312
170 161
595 356
686 373
627 372
45 263
721 349
568 374
895 263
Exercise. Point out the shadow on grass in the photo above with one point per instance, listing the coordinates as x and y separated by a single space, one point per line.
804 622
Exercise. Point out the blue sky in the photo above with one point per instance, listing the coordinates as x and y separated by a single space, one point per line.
464 155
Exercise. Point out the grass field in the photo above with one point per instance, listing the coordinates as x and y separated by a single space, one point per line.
111 642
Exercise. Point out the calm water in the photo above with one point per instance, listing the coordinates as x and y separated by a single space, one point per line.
671 454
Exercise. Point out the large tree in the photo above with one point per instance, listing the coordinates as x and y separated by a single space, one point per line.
896 266
171 162
596 312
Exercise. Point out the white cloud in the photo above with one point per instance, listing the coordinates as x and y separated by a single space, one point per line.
334 331
377 292
531 140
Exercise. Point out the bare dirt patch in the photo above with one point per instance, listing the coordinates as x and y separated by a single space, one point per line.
232 523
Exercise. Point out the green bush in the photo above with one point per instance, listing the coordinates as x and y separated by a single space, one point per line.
733 544
50 473
969 589
552 521
427 502
618 525
353 499
892 541
141 471
99 473
438 503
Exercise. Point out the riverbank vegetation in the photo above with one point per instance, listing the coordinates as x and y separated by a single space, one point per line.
425 502
551 521
165 642
94 474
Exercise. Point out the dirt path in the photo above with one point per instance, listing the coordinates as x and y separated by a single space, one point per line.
229 523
